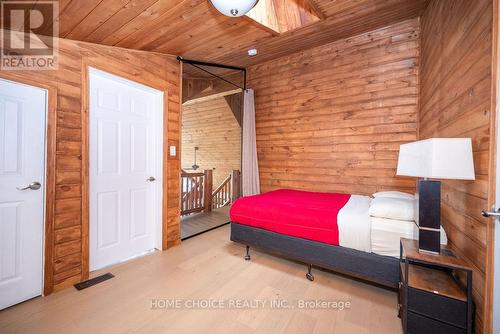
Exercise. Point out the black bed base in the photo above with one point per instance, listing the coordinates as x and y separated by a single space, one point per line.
378 269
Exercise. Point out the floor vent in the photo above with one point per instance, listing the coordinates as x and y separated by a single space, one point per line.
93 281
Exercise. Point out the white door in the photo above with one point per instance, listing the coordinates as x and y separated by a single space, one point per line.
23 112
125 169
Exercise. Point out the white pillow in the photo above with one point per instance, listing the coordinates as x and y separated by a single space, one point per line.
393 194
393 208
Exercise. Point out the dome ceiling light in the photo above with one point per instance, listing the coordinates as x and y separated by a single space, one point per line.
234 8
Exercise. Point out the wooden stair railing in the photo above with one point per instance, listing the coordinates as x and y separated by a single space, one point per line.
192 193
228 191
222 195
186 179
197 195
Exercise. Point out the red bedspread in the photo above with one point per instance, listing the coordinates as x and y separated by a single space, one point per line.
308 215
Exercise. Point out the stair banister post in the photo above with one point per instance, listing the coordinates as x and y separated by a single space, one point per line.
207 188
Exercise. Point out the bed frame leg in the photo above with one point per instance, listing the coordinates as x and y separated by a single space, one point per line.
309 275
247 256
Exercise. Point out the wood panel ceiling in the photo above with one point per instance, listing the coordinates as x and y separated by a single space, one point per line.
194 29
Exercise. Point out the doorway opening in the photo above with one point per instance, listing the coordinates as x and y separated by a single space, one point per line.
212 109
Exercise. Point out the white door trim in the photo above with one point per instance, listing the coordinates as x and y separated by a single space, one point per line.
44 181
157 147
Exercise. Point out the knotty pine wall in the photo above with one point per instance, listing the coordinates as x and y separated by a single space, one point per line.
332 118
67 236
211 126
456 88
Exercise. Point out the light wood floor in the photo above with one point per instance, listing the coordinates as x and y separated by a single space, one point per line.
208 266
200 222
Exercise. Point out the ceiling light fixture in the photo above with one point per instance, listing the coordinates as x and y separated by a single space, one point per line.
234 8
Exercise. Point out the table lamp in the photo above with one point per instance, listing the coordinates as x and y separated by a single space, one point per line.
436 159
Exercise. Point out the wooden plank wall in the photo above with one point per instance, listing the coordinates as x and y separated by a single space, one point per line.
69 237
211 126
456 102
332 118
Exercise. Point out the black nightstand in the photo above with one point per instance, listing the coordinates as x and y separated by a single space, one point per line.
432 299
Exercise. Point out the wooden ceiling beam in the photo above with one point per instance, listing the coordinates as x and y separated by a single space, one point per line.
211 96
202 89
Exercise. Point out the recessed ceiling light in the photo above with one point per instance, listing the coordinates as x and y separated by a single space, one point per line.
252 52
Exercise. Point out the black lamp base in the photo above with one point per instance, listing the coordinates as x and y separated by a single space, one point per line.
429 216
429 241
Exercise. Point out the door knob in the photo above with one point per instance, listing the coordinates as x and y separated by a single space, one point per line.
32 186
151 179
491 214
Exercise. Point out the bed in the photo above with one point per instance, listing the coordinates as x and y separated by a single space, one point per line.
327 230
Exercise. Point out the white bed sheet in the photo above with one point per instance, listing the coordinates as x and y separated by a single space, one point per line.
353 221
386 234
357 230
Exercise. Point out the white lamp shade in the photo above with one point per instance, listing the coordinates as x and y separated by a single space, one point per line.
234 8
437 158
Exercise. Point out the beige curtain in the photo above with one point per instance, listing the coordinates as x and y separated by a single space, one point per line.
250 167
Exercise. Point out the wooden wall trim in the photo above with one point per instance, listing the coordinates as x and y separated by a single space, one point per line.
174 137
85 169
50 178
50 190
495 77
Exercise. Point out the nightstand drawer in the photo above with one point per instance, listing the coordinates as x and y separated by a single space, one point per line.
418 324
438 307
432 299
